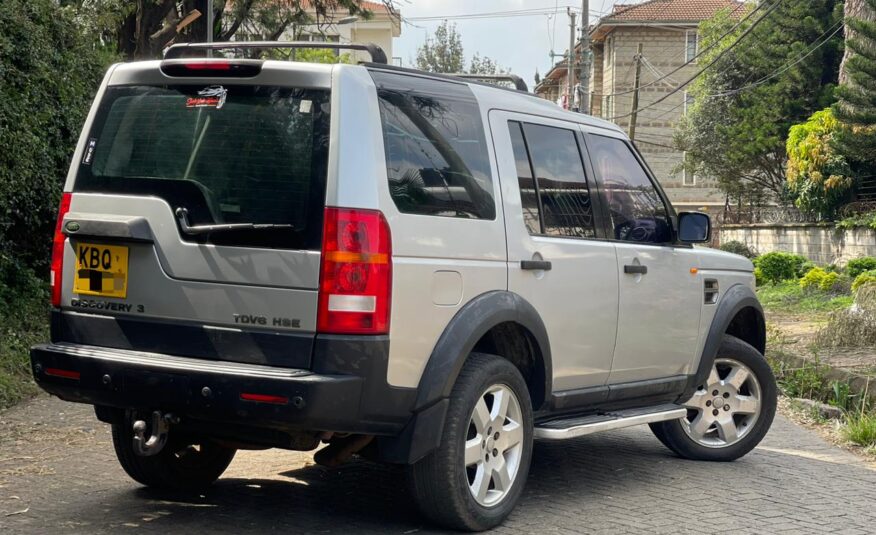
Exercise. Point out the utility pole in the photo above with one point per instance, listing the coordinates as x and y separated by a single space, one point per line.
570 91
584 74
634 116
209 21
209 26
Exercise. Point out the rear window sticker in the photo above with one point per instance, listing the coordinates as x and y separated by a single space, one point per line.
89 151
209 97
306 106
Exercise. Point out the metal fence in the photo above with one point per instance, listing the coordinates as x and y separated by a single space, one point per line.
773 215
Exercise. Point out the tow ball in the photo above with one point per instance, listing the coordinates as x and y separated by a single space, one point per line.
155 443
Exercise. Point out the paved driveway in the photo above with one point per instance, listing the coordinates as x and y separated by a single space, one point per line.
58 474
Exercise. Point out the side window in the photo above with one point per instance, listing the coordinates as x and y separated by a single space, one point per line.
436 152
557 202
528 193
636 209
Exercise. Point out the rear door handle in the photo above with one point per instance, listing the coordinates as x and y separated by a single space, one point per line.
635 269
535 265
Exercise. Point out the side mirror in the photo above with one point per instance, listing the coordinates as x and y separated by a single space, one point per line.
694 227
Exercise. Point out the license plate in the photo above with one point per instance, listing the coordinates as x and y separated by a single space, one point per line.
101 270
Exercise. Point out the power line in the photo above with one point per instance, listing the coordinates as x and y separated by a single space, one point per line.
826 36
704 51
838 26
712 63
498 14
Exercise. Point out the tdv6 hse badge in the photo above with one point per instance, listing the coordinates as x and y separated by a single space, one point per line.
249 319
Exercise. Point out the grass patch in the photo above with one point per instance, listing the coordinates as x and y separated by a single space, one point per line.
860 429
852 328
23 322
789 298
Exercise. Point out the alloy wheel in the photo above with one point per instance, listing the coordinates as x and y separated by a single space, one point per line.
494 445
724 410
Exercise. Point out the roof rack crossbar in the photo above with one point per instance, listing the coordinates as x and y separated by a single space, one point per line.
179 50
518 82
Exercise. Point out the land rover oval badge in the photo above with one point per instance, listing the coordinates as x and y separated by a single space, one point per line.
72 226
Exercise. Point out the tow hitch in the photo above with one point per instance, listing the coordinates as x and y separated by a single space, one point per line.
155 443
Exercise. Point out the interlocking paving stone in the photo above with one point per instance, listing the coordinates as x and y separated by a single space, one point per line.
57 463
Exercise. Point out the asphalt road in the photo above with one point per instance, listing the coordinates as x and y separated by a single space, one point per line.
58 474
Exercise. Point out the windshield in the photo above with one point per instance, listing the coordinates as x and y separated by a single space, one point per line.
226 154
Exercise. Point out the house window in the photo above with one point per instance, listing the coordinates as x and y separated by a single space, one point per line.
688 102
688 177
609 53
691 44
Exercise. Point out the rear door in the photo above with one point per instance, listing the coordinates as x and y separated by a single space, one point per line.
555 260
660 296
196 218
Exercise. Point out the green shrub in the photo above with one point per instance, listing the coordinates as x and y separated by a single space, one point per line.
833 282
807 266
737 247
864 220
48 74
23 322
777 267
813 278
759 279
867 277
859 265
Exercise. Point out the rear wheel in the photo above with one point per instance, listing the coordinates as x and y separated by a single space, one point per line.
731 413
185 463
474 479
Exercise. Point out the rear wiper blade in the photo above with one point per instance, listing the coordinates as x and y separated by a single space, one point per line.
182 215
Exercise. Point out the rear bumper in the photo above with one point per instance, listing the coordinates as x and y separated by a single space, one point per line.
215 391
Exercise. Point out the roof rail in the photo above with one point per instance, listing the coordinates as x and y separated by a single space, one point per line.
518 82
180 50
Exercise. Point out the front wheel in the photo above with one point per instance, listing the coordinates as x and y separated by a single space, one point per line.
475 477
185 463
731 413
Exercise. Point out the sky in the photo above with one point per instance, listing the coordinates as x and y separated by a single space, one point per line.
521 43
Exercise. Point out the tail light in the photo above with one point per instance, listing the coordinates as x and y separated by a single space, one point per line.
208 68
356 274
58 251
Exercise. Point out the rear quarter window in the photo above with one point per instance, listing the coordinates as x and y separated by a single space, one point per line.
436 153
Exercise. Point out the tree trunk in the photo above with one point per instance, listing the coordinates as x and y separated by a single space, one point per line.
859 9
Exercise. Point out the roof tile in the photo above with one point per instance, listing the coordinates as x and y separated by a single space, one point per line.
670 10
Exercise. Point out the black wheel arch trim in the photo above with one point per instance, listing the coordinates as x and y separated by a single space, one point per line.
735 299
464 331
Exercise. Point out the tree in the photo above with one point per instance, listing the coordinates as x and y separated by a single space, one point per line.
856 106
443 53
144 28
484 65
48 76
819 176
746 103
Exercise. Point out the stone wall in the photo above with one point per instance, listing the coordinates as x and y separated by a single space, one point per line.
823 244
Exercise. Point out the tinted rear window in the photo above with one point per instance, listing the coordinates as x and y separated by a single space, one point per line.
436 151
233 154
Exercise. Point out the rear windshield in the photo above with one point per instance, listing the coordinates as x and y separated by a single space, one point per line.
227 154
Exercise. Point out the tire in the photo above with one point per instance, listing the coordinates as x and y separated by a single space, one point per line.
747 411
442 483
184 463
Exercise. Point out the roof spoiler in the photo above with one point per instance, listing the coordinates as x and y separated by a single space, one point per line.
518 82
184 50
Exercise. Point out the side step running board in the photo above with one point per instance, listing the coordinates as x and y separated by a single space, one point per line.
578 426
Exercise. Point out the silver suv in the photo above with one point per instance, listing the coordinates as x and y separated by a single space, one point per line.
414 268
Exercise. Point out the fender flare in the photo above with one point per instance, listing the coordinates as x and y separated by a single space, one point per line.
735 299
464 330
